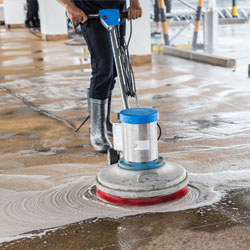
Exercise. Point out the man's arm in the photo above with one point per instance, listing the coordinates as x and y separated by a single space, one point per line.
75 14
136 10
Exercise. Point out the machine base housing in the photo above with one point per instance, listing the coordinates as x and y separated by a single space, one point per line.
144 187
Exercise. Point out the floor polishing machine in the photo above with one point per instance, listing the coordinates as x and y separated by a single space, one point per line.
136 175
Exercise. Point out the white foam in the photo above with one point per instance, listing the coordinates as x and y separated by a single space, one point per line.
22 236
224 181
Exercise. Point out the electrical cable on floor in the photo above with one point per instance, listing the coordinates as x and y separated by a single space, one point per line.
83 122
36 108
48 114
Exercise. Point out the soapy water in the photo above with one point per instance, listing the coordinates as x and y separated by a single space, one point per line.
77 200
57 205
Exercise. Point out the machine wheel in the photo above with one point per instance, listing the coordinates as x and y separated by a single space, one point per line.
113 156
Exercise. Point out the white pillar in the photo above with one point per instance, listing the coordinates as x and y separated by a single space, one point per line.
1 12
14 13
52 20
140 45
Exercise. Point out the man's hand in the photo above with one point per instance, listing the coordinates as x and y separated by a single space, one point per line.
136 10
75 14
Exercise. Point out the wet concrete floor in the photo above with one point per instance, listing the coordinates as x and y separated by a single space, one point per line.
46 168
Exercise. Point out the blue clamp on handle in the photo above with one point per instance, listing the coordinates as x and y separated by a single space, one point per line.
111 17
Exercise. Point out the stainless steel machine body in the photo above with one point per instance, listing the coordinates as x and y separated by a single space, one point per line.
140 142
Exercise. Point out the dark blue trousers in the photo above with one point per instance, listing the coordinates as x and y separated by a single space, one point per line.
102 61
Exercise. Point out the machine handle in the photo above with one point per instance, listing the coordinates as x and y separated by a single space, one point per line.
93 16
96 16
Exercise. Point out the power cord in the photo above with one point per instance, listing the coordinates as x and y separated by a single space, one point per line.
130 87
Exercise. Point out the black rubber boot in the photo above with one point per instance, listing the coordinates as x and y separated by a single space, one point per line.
98 130
109 123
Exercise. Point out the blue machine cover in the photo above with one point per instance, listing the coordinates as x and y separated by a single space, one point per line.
139 115
111 17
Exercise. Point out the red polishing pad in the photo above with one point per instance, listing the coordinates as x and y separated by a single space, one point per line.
142 202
